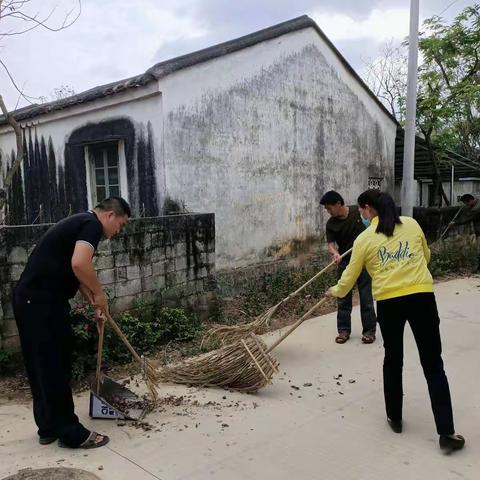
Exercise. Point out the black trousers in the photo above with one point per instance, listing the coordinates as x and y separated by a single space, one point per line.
420 310
46 338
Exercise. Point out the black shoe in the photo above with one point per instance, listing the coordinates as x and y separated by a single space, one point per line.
46 440
449 443
395 425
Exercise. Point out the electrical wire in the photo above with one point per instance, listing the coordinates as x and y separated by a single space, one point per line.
444 10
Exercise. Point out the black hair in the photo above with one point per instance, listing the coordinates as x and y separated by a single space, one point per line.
331 198
115 204
385 206
466 197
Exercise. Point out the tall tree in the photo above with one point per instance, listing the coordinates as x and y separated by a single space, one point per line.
16 18
448 106
448 103
387 78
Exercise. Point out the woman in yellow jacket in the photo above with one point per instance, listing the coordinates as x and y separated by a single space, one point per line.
395 253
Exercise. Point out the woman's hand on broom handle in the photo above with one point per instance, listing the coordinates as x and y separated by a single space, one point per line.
328 293
337 258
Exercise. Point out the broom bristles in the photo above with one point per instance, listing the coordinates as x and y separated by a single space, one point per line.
243 366
152 378
226 334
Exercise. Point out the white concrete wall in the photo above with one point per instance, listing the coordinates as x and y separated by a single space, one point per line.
259 135
256 137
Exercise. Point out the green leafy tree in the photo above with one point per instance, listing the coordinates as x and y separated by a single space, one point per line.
448 104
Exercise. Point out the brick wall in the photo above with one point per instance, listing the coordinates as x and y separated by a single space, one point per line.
172 256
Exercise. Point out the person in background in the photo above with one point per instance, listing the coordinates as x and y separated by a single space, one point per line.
343 227
472 215
395 253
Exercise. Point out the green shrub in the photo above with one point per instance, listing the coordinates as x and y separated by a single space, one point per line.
147 327
454 256
84 340
6 361
274 287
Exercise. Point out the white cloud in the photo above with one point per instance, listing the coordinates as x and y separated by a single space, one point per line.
112 39
379 25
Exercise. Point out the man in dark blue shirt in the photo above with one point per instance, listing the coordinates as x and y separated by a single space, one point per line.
60 264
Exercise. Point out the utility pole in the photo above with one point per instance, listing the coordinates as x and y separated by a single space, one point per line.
408 182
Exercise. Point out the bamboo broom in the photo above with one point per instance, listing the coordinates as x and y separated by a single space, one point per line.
101 331
296 324
151 375
229 333
244 365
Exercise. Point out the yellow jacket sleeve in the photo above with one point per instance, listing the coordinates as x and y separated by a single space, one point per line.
352 272
426 250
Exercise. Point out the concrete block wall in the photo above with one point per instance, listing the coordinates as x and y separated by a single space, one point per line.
171 256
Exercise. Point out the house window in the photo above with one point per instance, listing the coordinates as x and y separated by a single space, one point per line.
104 171
374 183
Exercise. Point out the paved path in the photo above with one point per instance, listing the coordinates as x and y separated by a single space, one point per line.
333 429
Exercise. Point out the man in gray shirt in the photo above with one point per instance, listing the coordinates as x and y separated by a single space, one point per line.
343 227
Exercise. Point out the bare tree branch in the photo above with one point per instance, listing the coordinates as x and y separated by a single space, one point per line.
18 160
15 10
386 77
17 13
10 76
12 33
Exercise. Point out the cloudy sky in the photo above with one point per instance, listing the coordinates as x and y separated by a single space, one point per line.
115 39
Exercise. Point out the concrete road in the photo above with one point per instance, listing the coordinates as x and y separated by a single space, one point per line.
334 428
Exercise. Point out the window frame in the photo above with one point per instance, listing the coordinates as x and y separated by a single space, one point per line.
90 170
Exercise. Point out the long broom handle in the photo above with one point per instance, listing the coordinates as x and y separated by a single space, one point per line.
124 339
99 353
448 226
299 289
296 325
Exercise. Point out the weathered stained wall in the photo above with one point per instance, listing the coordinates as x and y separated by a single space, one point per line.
173 257
54 171
256 136
259 135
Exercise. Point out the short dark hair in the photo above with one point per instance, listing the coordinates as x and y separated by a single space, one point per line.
115 204
385 206
331 198
466 197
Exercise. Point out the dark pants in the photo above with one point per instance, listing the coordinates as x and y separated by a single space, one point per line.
367 310
420 310
46 338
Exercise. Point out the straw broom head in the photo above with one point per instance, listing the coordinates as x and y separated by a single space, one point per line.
243 366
